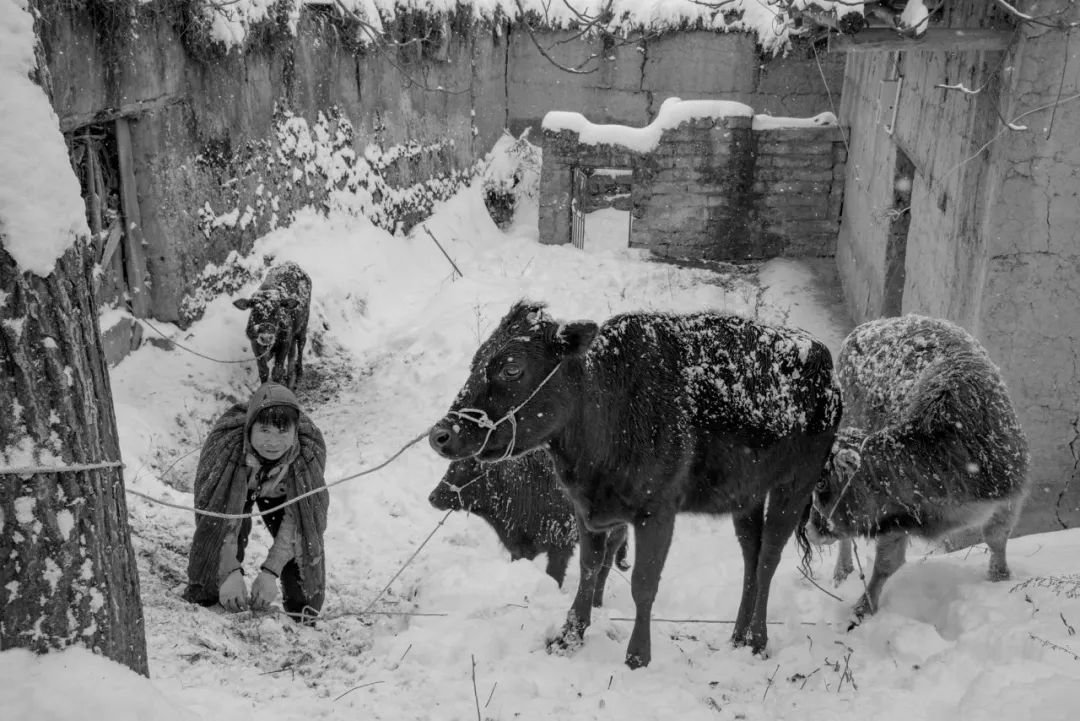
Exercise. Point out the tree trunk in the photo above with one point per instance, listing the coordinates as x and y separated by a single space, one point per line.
68 574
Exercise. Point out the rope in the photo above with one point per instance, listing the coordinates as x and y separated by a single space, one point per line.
195 352
256 514
73 468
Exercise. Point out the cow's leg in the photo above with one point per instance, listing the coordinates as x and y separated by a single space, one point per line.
301 341
280 353
591 557
748 528
785 512
262 362
844 565
290 364
652 539
890 555
615 542
996 534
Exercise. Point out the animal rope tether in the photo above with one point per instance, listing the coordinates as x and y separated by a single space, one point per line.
257 514
480 418
152 327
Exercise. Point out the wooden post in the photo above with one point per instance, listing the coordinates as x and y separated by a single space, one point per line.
134 245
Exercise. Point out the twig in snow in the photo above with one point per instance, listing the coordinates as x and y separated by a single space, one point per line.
1068 627
356 687
1051 644
806 678
492 694
769 684
405 654
476 697
452 263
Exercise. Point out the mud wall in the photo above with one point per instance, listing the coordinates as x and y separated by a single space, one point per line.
993 241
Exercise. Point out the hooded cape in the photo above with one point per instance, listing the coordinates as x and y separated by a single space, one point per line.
221 485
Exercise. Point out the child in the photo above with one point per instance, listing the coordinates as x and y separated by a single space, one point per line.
261 455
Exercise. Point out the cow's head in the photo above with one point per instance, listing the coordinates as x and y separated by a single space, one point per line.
519 392
839 496
271 312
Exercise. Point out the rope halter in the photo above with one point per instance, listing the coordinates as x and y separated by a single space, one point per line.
481 419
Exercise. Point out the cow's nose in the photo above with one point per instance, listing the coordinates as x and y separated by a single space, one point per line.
440 437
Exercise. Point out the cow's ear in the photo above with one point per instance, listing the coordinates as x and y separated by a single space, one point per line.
576 336
242 303
289 303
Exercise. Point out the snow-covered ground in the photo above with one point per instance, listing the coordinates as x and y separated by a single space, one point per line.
394 335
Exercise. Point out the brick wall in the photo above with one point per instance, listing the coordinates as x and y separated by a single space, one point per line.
713 188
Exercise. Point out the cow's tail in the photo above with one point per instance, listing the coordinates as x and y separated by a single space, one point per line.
806 549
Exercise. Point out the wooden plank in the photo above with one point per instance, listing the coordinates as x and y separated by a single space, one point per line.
105 115
134 247
935 39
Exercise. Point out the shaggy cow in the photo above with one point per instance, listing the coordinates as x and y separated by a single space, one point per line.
648 415
931 445
521 500
277 325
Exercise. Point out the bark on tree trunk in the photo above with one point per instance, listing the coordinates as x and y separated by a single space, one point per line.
68 574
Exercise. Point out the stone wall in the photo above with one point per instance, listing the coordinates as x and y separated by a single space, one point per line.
713 188
993 240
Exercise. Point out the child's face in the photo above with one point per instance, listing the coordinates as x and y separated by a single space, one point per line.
271 442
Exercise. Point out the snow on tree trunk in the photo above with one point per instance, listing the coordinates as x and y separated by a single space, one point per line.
68 574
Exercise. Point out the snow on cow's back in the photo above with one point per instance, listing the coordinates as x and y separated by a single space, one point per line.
882 361
732 369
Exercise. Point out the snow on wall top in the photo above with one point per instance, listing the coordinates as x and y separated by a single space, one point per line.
673 112
41 208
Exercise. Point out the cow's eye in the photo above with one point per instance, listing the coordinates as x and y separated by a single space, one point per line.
510 372
821 485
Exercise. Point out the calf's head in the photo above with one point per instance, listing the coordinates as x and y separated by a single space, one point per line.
271 312
520 390
840 499
465 486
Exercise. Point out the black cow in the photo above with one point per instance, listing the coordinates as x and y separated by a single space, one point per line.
931 445
521 500
648 415
277 325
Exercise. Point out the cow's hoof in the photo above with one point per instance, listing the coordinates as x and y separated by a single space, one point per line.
840 573
861 611
998 573
637 660
567 642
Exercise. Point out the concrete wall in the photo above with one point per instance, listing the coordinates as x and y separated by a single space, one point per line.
632 80
994 220
714 188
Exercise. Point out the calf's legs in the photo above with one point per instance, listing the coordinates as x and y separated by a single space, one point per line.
890 556
652 539
762 539
996 534
591 558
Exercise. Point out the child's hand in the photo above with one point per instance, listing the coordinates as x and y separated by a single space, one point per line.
264 591
233 593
